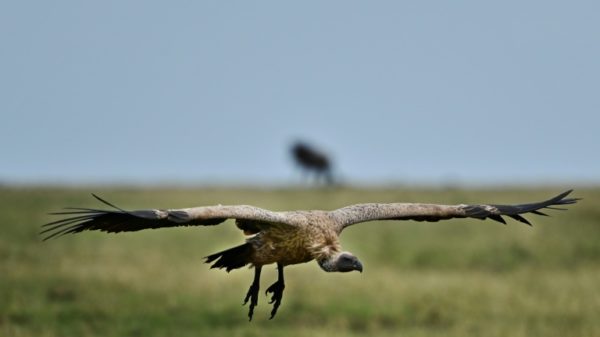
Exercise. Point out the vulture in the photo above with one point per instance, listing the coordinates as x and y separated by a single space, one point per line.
284 238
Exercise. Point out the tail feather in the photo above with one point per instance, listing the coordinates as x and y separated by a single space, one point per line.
232 258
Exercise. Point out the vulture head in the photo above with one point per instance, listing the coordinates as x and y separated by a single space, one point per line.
341 262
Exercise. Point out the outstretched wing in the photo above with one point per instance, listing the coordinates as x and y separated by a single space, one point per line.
350 215
119 220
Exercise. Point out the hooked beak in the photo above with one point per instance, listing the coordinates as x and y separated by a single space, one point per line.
358 266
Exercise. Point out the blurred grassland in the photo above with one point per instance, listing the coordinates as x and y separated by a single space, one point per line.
452 278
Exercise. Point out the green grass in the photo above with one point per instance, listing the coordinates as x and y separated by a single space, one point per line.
452 278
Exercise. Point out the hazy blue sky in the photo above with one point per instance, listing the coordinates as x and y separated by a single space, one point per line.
215 91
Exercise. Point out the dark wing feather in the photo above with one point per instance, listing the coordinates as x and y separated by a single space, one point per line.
119 220
495 212
430 212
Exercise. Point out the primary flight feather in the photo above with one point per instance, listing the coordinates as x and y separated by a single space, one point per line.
284 238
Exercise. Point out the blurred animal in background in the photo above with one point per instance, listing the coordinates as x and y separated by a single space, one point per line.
311 160
285 238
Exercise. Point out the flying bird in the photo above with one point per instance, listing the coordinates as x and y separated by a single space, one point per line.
284 238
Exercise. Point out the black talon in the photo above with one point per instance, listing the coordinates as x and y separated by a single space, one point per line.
252 294
277 290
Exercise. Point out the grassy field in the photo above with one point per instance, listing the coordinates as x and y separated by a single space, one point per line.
452 278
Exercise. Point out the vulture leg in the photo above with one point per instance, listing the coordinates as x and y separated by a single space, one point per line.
252 294
277 290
